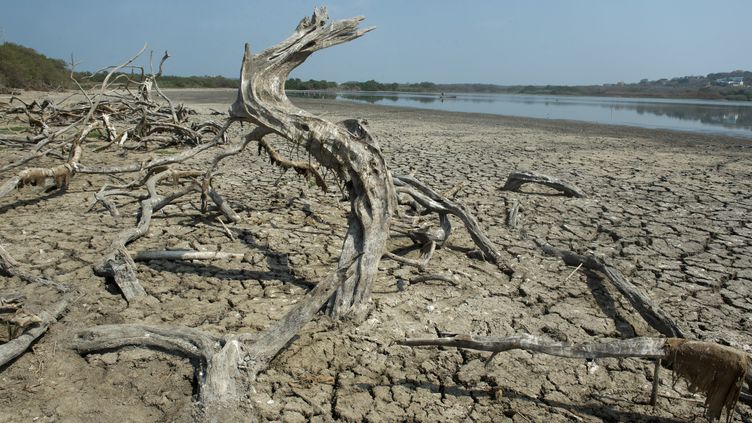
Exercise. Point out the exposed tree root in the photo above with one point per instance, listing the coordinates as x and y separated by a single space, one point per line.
517 179
226 366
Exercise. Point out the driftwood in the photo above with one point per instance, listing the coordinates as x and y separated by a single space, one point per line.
513 213
346 148
10 267
634 347
103 112
117 262
17 346
516 179
716 370
185 255
435 202
649 311
227 365
350 152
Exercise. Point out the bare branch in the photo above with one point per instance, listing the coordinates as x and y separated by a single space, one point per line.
652 314
517 179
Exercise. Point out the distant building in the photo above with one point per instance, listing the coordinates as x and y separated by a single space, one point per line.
731 81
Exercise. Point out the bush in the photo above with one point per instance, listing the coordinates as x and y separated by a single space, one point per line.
23 67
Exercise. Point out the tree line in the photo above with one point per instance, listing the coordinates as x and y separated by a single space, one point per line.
23 67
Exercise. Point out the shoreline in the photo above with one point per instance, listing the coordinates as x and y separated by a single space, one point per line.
213 97
569 126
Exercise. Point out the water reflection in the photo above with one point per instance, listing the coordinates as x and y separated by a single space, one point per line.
730 118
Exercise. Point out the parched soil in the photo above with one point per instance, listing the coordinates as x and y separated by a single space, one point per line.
672 211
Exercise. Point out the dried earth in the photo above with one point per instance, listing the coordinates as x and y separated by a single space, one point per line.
670 210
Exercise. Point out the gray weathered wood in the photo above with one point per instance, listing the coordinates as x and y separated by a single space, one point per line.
347 148
513 212
634 347
516 179
185 255
431 200
649 311
15 347
11 267
117 262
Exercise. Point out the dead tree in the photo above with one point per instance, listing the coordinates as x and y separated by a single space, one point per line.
348 150
227 365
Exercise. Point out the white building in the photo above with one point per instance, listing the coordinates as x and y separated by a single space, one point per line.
731 81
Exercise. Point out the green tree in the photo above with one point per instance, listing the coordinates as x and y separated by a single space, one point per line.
23 67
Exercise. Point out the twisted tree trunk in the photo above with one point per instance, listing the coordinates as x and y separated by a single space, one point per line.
227 366
346 148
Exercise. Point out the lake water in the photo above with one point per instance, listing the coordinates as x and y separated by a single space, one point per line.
703 116
700 116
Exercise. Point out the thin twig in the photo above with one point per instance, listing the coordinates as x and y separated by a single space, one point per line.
573 272
227 230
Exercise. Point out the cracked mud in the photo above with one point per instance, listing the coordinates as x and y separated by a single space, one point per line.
670 210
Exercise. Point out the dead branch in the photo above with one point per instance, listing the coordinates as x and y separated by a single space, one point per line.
434 202
17 346
223 206
185 255
714 369
61 174
513 212
519 178
433 277
422 262
11 267
649 311
159 91
117 262
304 169
634 347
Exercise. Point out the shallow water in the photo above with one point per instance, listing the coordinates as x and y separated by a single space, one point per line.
698 116
701 116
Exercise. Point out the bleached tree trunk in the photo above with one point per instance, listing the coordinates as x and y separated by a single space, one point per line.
346 148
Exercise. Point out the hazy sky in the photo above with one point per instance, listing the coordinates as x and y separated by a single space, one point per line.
500 42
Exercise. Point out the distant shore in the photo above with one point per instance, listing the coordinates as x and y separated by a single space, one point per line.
220 99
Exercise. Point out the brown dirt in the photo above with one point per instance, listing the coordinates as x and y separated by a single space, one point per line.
670 210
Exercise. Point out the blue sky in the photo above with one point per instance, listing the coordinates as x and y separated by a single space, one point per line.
500 42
